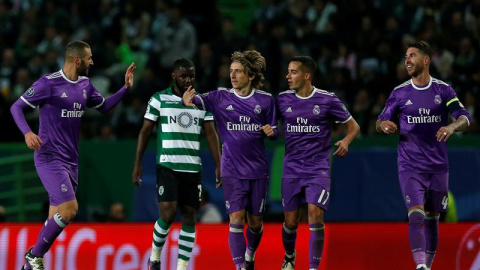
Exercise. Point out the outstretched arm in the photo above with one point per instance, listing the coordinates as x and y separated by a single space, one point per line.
214 145
31 139
114 99
143 138
353 130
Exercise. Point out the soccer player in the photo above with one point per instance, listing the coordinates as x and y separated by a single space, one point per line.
178 161
62 97
308 114
420 106
245 117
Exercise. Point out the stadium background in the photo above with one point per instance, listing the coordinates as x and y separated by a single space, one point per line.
359 49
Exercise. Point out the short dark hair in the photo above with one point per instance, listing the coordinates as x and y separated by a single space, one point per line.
75 48
182 63
308 65
423 46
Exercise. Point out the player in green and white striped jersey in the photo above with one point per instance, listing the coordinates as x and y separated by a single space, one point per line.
178 161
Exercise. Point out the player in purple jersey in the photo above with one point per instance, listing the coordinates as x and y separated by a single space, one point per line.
420 106
245 116
308 114
62 98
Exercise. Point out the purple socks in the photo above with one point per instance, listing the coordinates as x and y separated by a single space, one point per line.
53 227
416 235
317 237
431 239
289 237
253 240
237 244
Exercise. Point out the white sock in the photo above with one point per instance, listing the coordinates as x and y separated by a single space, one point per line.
182 264
155 255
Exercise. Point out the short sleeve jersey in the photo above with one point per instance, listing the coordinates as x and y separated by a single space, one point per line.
179 129
307 125
420 112
239 119
62 103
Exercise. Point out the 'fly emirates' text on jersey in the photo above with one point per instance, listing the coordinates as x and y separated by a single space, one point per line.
62 103
307 125
420 112
239 119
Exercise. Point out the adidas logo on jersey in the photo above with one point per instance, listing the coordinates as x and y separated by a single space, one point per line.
230 108
64 95
289 109
409 102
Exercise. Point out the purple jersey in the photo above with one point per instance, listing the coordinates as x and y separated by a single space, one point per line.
62 103
421 111
239 119
307 128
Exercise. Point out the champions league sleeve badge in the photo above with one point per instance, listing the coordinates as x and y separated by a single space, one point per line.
30 92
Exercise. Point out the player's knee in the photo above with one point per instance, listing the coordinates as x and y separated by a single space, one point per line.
256 229
432 215
290 226
238 219
69 214
168 216
188 219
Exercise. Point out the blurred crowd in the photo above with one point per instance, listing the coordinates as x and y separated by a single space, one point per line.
359 47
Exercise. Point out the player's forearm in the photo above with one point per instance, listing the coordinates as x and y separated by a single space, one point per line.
460 124
113 100
17 113
143 139
214 146
352 130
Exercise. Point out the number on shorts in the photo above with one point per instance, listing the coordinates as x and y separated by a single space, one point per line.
445 202
199 193
321 197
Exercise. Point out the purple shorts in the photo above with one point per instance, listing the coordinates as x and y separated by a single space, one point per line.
313 190
248 194
427 189
60 181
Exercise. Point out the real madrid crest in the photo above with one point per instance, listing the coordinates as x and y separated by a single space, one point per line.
316 110
257 109
437 99
84 94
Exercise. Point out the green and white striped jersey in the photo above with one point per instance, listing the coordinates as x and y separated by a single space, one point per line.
178 131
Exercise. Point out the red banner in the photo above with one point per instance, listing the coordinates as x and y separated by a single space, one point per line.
126 246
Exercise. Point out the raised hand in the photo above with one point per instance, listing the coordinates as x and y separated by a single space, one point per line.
188 97
129 76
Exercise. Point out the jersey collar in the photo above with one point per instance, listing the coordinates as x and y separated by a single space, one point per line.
422 88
